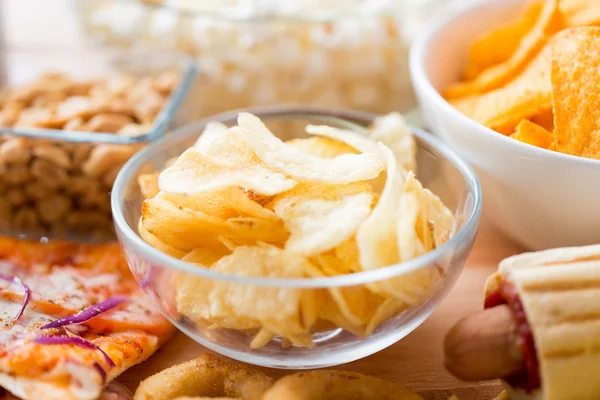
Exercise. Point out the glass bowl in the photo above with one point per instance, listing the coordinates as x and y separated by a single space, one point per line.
439 169
56 177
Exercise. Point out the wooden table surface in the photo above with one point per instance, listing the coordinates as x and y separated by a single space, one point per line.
417 360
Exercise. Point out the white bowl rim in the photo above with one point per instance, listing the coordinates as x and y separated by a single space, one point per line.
343 117
419 49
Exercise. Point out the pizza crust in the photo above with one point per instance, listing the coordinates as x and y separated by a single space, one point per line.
560 291
27 388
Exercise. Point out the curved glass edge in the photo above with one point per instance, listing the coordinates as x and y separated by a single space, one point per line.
161 124
129 238
418 54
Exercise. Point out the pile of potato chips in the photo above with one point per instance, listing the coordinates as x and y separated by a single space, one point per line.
243 202
537 78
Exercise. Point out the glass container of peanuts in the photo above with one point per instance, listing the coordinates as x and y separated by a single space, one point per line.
69 121
331 53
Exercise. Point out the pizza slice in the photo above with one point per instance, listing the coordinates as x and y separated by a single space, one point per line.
72 318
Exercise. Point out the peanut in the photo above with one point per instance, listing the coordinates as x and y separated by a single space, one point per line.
15 197
108 122
135 129
104 157
10 115
75 124
120 85
16 175
25 219
147 108
94 199
36 118
76 106
120 106
110 176
53 208
5 212
54 154
82 221
166 81
50 175
15 151
36 190
79 184
80 152
48 99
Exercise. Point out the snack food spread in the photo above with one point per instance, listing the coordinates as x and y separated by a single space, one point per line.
243 202
73 318
536 78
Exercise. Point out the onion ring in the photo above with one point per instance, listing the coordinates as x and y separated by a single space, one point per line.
206 376
336 385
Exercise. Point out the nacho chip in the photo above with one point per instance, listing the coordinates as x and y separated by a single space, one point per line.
500 44
299 165
576 89
188 229
549 22
533 134
228 162
581 12
321 146
545 120
320 216
527 95
376 236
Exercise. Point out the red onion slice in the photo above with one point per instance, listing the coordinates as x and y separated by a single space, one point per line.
87 313
74 340
26 297
100 370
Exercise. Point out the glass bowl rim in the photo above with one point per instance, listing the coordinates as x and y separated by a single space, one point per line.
342 117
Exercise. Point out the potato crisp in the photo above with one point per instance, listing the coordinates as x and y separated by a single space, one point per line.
536 78
241 202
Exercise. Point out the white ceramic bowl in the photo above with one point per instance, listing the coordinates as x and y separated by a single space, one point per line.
540 198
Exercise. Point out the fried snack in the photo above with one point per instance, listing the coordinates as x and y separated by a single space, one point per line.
557 294
536 78
244 203
531 133
550 20
336 385
208 377
576 91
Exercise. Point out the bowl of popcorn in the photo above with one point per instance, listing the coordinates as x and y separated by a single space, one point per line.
68 122
310 245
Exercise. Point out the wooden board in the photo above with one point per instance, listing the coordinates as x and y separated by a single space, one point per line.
417 360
